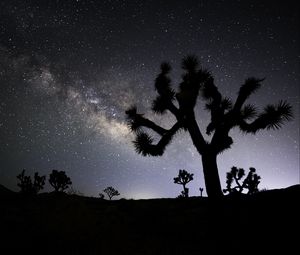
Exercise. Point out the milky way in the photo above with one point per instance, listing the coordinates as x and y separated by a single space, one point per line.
70 69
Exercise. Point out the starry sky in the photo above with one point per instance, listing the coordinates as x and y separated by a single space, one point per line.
69 69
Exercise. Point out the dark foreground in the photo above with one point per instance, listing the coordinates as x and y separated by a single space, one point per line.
266 223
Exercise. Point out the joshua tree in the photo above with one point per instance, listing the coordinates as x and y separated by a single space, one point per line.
183 179
250 182
224 113
59 181
38 182
25 183
111 192
201 191
29 187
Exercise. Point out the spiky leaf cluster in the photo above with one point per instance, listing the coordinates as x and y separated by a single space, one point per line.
191 83
164 89
133 119
273 117
143 144
184 177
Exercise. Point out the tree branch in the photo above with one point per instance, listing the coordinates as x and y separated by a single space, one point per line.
221 140
136 121
143 143
173 109
216 104
196 135
249 87
272 117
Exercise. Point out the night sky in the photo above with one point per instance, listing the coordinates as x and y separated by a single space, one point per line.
69 69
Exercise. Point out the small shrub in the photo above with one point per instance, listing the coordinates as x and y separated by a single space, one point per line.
59 181
235 176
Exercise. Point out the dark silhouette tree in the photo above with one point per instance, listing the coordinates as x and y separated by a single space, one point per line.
250 183
111 192
201 192
183 179
59 180
27 186
224 114
25 183
101 196
38 182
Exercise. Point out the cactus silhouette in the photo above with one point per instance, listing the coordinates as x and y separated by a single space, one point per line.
251 182
59 180
183 179
29 187
225 115
111 192
201 191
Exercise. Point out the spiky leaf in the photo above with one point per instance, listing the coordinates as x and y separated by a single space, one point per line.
276 115
226 104
159 105
190 63
273 117
210 91
165 67
143 144
248 112
250 86
131 112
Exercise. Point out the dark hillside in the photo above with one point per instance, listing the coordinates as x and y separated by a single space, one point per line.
64 224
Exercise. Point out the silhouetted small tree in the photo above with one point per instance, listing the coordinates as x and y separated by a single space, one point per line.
59 180
183 179
201 191
225 115
29 187
25 183
111 192
38 182
250 182
101 196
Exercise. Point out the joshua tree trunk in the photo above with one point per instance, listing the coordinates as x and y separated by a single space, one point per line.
209 160
211 175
